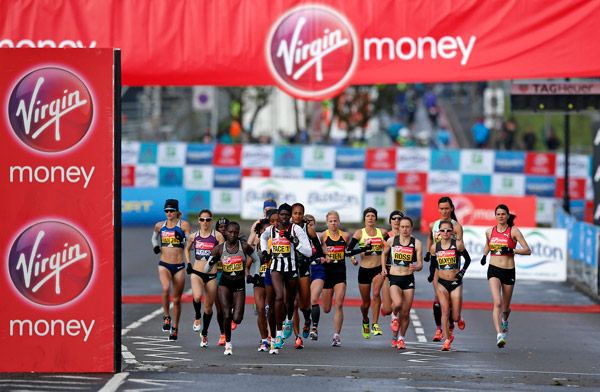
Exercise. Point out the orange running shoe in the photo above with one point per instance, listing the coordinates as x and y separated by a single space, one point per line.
233 325
394 324
400 345
221 341
438 335
451 335
299 343
461 323
446 345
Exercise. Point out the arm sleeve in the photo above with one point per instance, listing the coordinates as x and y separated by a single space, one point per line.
467 258
433 266
352 244
303 244
155 239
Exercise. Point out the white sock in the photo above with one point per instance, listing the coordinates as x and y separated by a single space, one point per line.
400 337
394 316
227 344
280 333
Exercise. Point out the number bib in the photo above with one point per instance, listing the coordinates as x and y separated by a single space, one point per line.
336 253
232 264
403 255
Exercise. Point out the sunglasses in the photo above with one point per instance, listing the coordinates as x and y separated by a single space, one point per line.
167 211
446 230
204 219
396 218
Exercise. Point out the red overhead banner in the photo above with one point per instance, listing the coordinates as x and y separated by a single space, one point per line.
313 49
57 279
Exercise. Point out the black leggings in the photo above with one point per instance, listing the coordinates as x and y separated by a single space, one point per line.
283 307
228 299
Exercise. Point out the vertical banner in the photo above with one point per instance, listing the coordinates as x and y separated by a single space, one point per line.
596 178
59 258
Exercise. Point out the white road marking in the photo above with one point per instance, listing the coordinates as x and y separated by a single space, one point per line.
419 331
115 382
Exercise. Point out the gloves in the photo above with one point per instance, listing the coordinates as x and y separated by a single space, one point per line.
249 279
179 237
265 257
460 275
156 249
483 260
285 234
189 268
430 277
368 246
427 257
209 264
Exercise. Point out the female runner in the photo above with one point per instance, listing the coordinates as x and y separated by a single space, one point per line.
446 255
169 237
405 250
334 243
386 299
258 280
203 241
317 280
303 298
369 272
502 241
273 217
286 239
233 255
446 210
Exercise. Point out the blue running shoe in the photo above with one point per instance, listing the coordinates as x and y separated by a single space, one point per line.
278 342
287 329
306 329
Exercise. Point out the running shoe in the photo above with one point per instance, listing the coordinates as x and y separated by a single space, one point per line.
375 330
500 342
337 342
438 335
461 324
394 324
299 343
221 341
451 335
166 324
197 326
400 345
233 325
366 331
278 342
287 329
394 341
173 335
306 329
382 312
228 350
446 345
314 333
272 349
203 341
264 346
504 328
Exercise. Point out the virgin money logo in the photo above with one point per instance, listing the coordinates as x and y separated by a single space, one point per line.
50 263
312 51
465 210
50 109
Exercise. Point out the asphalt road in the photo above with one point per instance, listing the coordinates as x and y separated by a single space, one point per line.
553 344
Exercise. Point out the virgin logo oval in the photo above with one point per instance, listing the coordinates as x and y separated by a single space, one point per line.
312 51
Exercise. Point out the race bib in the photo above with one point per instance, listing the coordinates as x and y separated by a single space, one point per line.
336 253
233 264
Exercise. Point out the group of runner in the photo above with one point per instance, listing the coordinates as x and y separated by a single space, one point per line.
291 267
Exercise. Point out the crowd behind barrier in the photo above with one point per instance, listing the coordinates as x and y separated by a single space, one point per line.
210 175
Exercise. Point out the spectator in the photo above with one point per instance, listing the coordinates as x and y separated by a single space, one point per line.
481 133
443 137
529 138
552 141
509 130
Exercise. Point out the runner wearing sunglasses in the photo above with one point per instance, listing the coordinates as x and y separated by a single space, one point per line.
445 257
168 239
202 243
386 299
